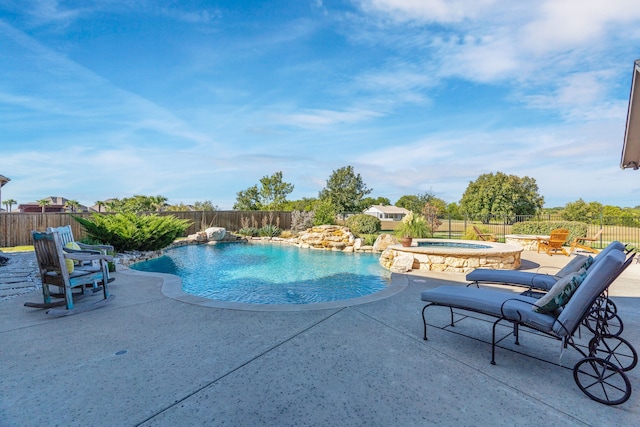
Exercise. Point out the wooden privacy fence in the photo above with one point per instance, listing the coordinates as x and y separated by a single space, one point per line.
16 227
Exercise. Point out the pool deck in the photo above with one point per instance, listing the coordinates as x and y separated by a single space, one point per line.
147 359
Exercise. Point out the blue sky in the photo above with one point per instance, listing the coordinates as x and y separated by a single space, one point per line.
197 100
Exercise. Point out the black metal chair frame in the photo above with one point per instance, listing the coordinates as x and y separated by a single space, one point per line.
600 374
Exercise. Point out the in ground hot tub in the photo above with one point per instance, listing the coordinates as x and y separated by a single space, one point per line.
454 256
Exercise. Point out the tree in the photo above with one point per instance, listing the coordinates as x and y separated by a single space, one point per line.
415 203
501 194
580 210
72 205
8 204
44 203
206 205
271 195
305 204
100 204
344 190
367 202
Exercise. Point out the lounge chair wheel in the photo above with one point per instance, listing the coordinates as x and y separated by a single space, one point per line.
602 381
615 350
611 323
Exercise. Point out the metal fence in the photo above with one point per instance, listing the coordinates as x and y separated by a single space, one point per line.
15 227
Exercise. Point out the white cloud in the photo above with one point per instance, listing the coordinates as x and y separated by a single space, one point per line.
560 25
444 11
323 118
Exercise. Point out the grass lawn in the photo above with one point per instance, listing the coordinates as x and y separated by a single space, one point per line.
17 249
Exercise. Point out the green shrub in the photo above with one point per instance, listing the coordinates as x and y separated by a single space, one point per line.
324 213
363 224
269 230
576 229
131 232
470 234
248 231
368 239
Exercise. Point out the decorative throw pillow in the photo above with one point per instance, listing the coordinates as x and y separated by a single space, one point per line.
70 266
559 294
572 266
70 263
588 262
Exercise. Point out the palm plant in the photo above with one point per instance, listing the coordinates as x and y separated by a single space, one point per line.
43 203
9 204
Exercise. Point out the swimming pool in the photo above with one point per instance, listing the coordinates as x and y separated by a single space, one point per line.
270 274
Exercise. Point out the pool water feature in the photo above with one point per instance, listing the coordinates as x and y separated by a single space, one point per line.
270 274
453 256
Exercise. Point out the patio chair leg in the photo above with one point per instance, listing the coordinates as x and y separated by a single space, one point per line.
424 322
493 342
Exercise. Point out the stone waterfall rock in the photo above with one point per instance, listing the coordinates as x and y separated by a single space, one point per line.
215 233
327 237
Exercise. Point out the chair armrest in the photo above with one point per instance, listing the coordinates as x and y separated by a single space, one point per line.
95 247
88 257
81 251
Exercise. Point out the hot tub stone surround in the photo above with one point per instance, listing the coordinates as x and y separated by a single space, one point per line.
455 260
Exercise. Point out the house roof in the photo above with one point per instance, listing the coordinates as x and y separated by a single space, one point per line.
3 180
389 209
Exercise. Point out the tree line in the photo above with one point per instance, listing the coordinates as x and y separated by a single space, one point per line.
491 195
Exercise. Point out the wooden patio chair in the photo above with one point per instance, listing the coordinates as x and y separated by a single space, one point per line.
55 271
581 242
70 245
487 237
553 245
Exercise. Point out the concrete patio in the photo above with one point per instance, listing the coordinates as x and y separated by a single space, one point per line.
147 359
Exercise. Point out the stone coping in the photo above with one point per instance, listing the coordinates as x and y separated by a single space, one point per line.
451 259
494 248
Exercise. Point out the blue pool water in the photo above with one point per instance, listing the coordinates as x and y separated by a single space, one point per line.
270 274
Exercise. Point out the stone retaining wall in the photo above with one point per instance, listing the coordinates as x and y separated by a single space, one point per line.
464 261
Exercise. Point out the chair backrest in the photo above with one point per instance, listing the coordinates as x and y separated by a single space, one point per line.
596 282
66 235
615 245
481 235
558 237
595 236
49 254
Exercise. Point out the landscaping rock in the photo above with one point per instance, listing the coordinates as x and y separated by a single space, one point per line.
215 233
383 241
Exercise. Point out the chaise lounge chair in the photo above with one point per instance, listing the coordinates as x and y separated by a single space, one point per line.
535 281
600 374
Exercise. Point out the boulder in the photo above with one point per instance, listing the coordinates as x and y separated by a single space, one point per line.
402 263
200 236
383 241
215 233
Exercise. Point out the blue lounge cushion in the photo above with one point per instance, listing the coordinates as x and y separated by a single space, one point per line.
490 302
